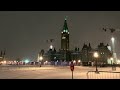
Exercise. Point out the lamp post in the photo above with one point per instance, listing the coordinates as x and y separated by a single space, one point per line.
113 49
41 58
113 43
111 62
96 56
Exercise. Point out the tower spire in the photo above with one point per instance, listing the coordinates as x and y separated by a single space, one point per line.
65 27
89 45
66 17
65 36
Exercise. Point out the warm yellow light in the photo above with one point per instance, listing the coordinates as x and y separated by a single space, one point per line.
78 60
41 58
118 61
112 39
111 58
51 47
74 61
96 55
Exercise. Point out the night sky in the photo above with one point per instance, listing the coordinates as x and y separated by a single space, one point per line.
24 33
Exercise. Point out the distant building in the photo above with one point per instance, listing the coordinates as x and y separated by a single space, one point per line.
2 56
85 56
104 53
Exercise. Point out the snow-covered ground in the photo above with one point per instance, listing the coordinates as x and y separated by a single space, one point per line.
54 72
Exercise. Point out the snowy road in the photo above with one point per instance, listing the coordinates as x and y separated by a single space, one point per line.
46 72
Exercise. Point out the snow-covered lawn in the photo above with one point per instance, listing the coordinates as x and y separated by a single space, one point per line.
53 72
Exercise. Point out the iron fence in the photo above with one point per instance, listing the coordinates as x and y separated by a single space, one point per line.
103 75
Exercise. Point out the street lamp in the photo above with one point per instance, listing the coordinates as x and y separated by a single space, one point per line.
51 46
113 46
111 62
41 58
96 56
112 39
79 62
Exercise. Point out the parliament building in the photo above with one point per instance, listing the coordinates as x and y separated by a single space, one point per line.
85 55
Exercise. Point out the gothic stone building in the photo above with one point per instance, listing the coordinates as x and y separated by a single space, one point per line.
85 55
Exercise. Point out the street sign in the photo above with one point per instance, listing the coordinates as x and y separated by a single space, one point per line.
72 66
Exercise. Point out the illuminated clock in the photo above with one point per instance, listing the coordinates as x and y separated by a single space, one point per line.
63 37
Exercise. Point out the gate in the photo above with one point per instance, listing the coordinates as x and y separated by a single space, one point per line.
103 75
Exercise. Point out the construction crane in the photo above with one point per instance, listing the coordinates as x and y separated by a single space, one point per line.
112 30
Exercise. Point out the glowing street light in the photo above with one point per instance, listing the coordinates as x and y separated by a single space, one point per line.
113 48
112 39
74 61
51 47
113 44
96 56
111 60
79 61
41 58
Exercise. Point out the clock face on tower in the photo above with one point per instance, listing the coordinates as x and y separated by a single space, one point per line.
63 37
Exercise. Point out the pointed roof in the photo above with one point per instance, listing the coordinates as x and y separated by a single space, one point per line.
75 48
89 45
4 52
107 44
85 46
54 50
101 45
65 27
